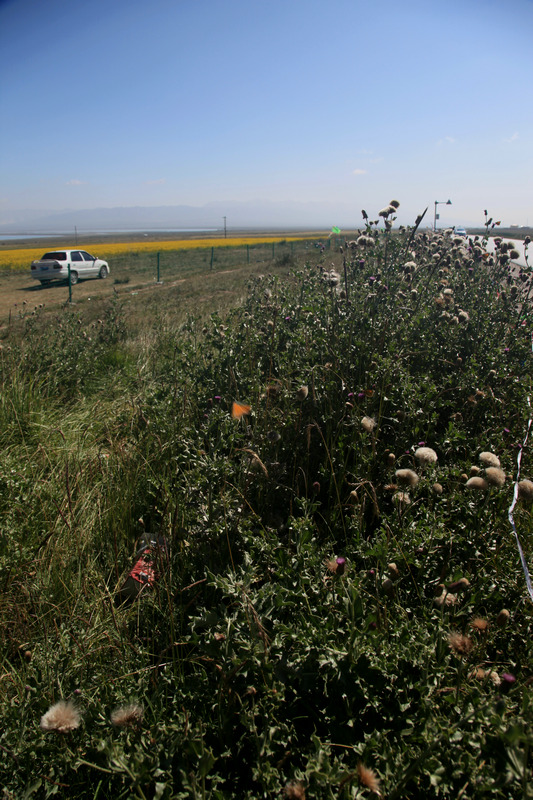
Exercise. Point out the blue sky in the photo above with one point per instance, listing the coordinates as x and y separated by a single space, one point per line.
342 103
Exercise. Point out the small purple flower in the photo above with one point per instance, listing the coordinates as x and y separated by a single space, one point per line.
361 262
287 319
341 565
506 430
371 279
218 397
361 396
505 349
421 444
508 678
350 394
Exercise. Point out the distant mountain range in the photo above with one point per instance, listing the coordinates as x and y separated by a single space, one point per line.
256 214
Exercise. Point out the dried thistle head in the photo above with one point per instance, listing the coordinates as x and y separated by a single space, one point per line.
525 490
406 477
489 459
294 790
368 424
479 624
302 393
460 644
63 717
401 499
425 456
127 716
477 483
495 476
367 777
503 618
459 586
437 489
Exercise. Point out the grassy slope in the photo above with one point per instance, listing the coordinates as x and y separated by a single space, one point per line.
259 662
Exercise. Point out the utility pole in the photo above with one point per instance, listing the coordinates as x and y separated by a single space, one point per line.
224 227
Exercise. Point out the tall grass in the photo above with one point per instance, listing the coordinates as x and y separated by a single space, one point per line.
326 625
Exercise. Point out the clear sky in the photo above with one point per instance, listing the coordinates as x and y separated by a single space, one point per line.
343 103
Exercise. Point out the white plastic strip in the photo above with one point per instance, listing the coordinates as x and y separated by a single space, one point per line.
512 507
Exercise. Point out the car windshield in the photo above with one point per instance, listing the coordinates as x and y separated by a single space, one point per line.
59 256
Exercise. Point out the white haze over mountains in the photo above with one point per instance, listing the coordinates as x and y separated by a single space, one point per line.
253 214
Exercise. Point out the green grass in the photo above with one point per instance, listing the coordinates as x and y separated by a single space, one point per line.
263 668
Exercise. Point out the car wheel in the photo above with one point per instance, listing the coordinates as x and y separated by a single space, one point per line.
73 278
104 272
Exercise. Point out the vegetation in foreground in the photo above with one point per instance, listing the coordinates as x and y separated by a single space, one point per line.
341 610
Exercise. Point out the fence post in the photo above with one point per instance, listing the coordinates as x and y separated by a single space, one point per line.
273 250
69 285
212 256
247 253
158 255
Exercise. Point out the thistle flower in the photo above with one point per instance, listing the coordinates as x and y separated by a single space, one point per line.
482 675
425 456
463 316
459 586
437 489
461 645
489 459
525 490
368 424
480 624
445 599
302 393
477 483
62 717
294 790
503 618
394 572
407 477
394 204
127 716
401 499
495 476
368 778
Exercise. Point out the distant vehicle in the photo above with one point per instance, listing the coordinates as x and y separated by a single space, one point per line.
53 266
459 231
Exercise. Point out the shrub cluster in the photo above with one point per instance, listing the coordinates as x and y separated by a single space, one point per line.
341 610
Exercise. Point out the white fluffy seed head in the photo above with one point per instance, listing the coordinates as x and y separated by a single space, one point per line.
425 456
407 477
489 459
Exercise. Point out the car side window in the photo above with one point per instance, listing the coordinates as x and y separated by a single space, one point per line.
86 256
76 256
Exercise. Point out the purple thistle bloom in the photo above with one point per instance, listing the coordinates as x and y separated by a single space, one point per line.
218 397
341 565
361 396
508 678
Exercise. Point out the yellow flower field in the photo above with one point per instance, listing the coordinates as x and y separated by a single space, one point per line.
22 258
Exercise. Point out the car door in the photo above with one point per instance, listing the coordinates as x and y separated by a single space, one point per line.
77 264
90 263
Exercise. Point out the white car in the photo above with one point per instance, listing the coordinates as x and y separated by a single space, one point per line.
53 266
459 231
